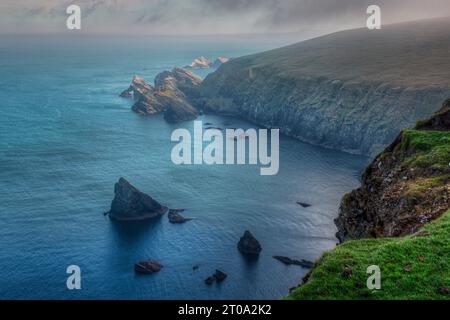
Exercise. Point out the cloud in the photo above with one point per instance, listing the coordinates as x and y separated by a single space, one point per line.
209 16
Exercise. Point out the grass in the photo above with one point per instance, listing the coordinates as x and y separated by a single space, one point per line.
412 268
426 149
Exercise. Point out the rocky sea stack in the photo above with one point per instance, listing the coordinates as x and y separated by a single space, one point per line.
130 204
171 95
248 244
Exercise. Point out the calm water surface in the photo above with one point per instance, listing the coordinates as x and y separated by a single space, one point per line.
65 139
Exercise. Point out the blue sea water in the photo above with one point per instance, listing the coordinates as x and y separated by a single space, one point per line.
66 138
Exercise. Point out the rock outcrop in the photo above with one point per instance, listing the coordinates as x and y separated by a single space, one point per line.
248 244
147 267
176 218
405 187
218 277
352 90
205 63
171 95
288 261
130 204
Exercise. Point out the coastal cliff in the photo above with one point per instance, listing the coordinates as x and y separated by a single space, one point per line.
398 220
405 187
352 90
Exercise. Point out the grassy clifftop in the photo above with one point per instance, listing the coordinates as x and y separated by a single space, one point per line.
412 267
399 220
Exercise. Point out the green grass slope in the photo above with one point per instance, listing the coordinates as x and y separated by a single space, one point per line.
413 267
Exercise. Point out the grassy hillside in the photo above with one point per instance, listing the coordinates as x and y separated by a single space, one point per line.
412 267
352 90
404 54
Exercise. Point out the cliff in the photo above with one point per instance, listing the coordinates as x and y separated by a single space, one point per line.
405 187
398 220
352 90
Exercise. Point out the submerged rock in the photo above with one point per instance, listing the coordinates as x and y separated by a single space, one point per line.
147 267
288 261
218 277
131 204
210 280
304 204
249 245
175 217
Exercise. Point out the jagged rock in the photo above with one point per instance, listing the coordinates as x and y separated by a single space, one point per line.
199 63
126 94
147 267
218 62
171 95
178 109
131 204
220 276
304 205
288 261
440 120
210 280
175 217
249 245
205 63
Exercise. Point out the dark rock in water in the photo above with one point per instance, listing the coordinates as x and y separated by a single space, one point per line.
178 109
175 217
130 204
288 261
147 267
195 267
304 205
249 245
220 276
210 280
208 124
126 94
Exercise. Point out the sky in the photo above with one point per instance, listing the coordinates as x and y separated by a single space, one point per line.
209 17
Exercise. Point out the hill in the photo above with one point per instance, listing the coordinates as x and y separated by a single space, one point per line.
352 90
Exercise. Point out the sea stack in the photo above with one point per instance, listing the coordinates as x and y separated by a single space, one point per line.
130 204
248 245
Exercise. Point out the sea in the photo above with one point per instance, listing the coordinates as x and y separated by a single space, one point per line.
66 137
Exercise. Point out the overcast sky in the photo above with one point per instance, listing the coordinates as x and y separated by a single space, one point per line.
206 17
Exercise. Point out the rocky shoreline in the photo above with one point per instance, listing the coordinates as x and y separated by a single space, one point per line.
400 192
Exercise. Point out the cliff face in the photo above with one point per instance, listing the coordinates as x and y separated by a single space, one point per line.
405 187
353 90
